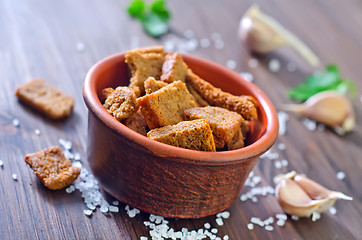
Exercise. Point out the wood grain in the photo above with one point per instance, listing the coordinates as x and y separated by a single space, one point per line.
39 39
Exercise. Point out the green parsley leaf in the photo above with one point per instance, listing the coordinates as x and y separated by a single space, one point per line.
322 81
136 8
154 17
154 25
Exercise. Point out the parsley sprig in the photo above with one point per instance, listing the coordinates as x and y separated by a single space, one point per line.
154 17
321 81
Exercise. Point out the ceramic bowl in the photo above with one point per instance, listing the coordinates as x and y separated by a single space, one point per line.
162 179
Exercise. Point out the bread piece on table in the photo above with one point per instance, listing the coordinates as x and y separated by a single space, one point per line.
225 124
144 63
45 98
52 168
152 85
137 123
165 106
195 135
244 105
121 103
173 68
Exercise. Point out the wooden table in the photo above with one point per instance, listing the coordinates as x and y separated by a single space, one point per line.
60 40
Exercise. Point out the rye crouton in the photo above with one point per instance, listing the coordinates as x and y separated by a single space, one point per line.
174 68
121 103
45 98
244 105
137 123
144 63
225 124
52 168
195 135
165 106
152 85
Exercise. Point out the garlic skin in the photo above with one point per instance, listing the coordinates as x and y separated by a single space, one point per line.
329 108
263 34
302 197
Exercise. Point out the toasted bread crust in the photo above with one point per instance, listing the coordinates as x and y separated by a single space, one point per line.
196 135
152 85
45 98
216 97
174 68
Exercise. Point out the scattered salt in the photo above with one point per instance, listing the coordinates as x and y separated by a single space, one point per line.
104 209
269 228
332 210
281 222
204 42
214 230
253 63
226 237
15 177
143 238
133 212
77 164
269 220
37 132
277 164
113 209
295 218
219 221
247 76
16 122
207 225
1 164
257 221
70 189
250 226
316 216
68 154
116 202
274 65
80 47
291 67
231 64
281 146
225 214
281 216
91 206
189 33
282 118
284 162
340 175
67 145
311 125
77 156
87 212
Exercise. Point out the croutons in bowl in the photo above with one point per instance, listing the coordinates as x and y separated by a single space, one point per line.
175 143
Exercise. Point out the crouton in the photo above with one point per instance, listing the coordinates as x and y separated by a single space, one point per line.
195 135
174 68
244 105
225 124
144 63
137 123
165 106
152 85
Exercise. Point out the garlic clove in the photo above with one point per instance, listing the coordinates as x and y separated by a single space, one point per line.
329 108
263 34
302 197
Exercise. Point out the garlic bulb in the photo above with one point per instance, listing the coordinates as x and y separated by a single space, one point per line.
302 197
329 108
263 34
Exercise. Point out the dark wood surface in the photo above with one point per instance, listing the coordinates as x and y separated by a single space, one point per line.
39 39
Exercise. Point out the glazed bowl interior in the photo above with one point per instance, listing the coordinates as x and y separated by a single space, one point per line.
114 72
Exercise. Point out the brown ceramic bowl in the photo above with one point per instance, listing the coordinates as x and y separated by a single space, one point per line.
162 179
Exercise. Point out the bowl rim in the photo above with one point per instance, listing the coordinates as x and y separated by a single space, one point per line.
175 153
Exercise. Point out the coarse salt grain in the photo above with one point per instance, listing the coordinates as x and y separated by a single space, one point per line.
226 237
143 238
281 216
65 144
332 210
91 206
247 76
219 221
257 221
205 43
87 212
231 64
116 202
295 218
104 209
316 216
253 63
269 228
70 189
281 146
37 132
77 156
274 65
282 118
15 177
77 164
311 125
80 47
133 212
277 164
1 164
207 225
113 209
214 230
340 175
250 226
16 122
269 220
284 162
280 222
225 214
